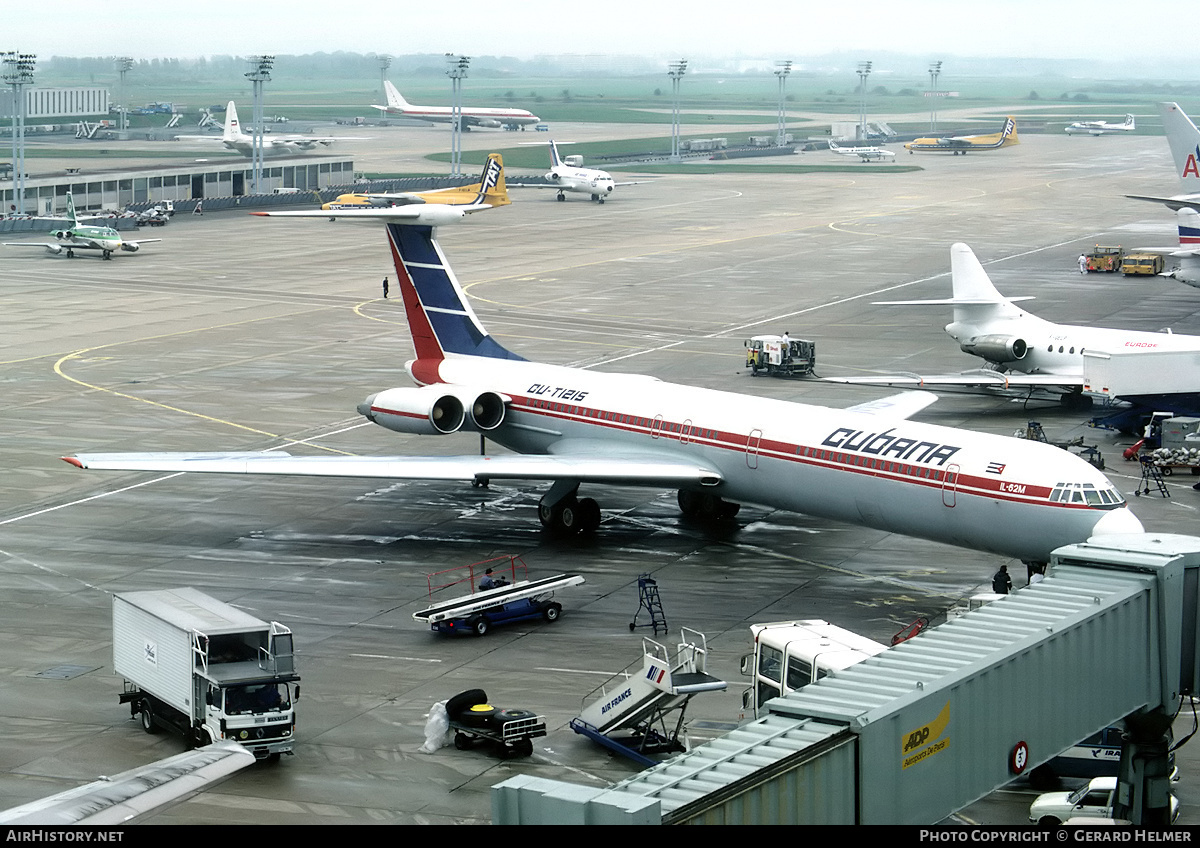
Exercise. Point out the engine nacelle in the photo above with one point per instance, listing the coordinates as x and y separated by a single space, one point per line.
490 123
429 410
61 234
131 246
997 348
485 410
55 248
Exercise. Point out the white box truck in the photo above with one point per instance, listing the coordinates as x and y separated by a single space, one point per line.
206 669
791 654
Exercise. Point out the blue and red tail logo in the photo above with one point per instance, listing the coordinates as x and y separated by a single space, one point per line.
439 317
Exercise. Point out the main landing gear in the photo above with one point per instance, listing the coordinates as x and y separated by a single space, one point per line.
561 511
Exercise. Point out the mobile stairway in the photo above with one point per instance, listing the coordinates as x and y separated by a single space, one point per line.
629 713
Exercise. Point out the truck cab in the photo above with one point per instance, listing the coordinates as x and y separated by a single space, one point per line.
791 654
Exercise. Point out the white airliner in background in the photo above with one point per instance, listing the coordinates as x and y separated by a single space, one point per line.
1021 351
471 116
575 428
235 139
567 175
1100 127
867 154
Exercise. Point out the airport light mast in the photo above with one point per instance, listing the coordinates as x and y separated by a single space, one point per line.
934 70
385 62
457 72
124 66
676 72
18 72
784 68
259 73
864 71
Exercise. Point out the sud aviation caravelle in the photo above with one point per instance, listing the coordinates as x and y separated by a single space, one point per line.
866 465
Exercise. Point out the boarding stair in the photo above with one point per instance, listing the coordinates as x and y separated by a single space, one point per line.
1151 476
630 713
649 600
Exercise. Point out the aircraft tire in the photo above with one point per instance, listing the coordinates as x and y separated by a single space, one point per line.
589 516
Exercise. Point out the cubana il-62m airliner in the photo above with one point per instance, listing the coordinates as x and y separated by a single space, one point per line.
575 428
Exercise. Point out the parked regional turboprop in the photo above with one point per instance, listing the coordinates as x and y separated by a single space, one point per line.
1100 127
867 465
966 143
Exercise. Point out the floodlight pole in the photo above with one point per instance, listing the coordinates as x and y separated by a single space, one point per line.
676 72
934 70
18 72
784 69
124 66
259 73
385 62
457 71
864 71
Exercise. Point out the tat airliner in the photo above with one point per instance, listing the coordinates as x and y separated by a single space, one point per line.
577 428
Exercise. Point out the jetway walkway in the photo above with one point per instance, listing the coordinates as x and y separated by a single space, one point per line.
939 721
637 705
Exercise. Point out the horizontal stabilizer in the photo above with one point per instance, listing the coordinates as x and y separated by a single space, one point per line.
426 214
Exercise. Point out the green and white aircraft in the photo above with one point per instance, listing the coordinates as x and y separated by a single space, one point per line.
83 237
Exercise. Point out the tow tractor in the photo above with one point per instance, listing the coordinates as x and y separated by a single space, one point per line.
1105 258
473 719
510 600
780 356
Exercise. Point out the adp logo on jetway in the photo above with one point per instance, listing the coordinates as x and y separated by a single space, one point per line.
926 740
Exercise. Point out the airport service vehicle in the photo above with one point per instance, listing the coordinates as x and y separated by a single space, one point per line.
1141 264
473 720
1093 800
1106 258
1097 756
206 669
780 356
510 600
630 712
791 654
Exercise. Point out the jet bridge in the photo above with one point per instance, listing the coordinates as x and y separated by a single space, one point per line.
937 722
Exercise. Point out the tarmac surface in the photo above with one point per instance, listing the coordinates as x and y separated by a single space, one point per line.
245 333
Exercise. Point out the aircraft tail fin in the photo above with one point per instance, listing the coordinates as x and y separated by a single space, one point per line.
555 159
394 99
1130 123
1189 227
1009 134
441 320
1184 139
492 191
71 216
233 127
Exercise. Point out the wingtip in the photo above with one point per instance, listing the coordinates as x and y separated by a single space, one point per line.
71 460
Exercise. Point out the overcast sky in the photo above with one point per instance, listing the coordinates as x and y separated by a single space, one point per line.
784 29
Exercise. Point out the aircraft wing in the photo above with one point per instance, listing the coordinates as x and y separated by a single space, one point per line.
903 405
416 213
982 378
117 799
573 459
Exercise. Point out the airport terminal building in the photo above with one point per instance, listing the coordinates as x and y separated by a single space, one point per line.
212 182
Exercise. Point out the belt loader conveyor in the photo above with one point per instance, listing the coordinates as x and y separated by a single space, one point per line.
636 703
495 602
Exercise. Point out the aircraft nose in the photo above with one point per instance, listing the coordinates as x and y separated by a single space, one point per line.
364 408
1118 521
